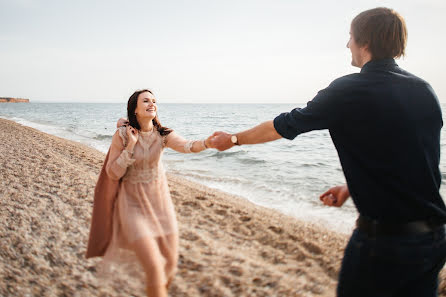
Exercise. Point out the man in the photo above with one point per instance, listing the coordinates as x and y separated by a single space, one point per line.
385 124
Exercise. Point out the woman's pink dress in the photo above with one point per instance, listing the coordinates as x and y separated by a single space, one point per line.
144 223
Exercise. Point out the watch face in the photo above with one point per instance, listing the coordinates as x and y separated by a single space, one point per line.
234 139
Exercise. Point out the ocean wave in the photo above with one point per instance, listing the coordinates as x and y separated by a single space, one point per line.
103 137
225 154
41 125
241 157
314 165
250 161
233 180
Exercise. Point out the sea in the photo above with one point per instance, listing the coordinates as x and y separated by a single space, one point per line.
284 175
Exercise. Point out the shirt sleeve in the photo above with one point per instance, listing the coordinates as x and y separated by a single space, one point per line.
320 113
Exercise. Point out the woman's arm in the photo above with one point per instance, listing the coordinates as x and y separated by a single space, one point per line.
120 156
179 144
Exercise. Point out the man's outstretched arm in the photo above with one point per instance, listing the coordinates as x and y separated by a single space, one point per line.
264 132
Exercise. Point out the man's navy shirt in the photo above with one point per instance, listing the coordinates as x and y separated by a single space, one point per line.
385 124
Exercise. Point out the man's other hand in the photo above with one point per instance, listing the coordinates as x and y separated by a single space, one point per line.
335 196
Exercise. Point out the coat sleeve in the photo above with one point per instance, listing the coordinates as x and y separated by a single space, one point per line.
101 221
119 158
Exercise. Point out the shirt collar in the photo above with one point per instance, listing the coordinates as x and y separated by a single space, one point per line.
384 64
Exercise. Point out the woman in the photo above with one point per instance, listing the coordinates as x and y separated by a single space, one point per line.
144 220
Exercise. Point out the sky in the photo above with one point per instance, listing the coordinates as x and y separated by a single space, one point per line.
225 51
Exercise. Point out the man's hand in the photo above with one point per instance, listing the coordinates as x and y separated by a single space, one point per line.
221 141
335 196
122 122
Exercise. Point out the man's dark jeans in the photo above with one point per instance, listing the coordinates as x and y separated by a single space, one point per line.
392 266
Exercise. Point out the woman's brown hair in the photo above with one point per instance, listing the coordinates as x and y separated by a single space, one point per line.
383 30
133 121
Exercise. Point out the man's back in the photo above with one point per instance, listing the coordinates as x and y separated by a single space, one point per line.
385 124
389 145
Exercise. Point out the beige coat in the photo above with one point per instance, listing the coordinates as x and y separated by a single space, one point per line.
105 194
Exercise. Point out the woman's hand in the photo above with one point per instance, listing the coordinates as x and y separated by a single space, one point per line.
132 136
335 196
208 142
122 122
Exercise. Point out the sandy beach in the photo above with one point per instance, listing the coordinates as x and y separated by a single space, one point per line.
228 246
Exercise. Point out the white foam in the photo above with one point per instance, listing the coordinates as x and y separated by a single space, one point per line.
62 132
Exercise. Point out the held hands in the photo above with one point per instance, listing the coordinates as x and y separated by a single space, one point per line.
335 196
208 142
220 141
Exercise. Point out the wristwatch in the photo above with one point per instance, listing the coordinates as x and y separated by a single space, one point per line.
234 139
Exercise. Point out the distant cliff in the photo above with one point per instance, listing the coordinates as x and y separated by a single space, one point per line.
13 100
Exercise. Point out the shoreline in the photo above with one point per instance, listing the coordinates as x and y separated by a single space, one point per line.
228 245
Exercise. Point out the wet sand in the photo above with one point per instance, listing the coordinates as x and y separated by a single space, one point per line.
228 246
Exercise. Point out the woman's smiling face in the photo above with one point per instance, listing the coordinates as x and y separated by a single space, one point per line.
146 106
